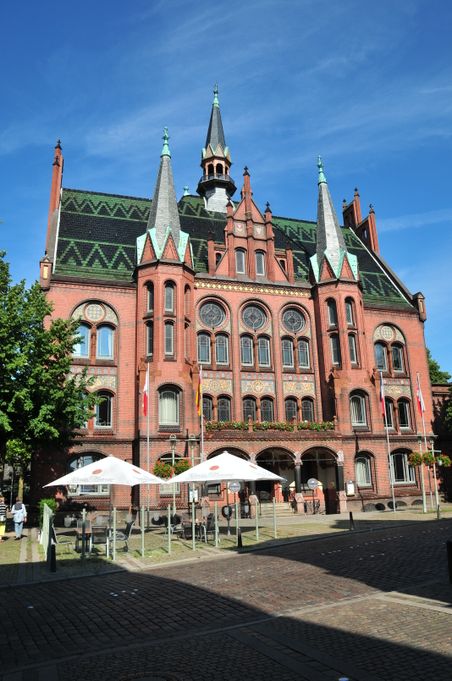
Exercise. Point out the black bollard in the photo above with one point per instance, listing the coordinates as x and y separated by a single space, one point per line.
449 559
52 560
239 538
352 522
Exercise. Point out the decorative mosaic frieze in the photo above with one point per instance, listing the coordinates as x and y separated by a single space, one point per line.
104 382
389 334
299 388
249 288
217 386
95 312
258 387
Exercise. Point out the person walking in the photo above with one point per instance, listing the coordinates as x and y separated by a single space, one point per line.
19 517
3 509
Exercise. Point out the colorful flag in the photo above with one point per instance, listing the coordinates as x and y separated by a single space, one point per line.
146 393
420 399
382 396
199 393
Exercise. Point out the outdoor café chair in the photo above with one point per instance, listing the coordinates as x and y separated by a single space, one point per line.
124 536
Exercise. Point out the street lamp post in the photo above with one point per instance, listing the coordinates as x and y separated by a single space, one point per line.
173 440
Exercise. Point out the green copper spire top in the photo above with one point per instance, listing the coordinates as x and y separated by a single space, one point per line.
216 101
165 148
322 177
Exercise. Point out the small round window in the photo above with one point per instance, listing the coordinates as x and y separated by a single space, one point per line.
254 317
212 315
293 320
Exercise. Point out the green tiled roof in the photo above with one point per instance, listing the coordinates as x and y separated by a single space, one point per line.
97 240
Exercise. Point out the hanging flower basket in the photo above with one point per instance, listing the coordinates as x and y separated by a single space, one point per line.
444 461
163 470
416 458
428 458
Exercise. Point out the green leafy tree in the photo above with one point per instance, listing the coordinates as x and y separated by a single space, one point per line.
41 402
437 375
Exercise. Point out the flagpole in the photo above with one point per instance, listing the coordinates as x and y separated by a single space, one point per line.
201 417
385 421
420 401
148 461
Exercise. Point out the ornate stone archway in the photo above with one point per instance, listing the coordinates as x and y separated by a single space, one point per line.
282 462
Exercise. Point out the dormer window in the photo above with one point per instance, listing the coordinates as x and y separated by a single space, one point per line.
240 261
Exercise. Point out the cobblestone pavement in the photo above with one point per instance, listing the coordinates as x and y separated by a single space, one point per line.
372 606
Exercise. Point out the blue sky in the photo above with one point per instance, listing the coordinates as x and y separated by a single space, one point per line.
366 85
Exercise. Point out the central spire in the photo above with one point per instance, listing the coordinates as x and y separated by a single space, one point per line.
216 186
164 214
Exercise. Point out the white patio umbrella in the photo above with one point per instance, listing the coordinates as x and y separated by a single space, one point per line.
108 471
223 467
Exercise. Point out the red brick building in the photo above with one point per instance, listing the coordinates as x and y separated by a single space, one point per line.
292 321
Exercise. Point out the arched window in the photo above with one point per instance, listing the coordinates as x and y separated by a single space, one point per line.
224 408
249 408
335 350
150 339
246 351
404 413
203 348
187 342
187 301
103 415
222 349
105 339
169 339
169 406
397 358
219 169
291 408
358 413
363 470
332 312
150 297
402 470
81 348
218 257
303 353
263 351
307 409
169 297
352 348
79 462
349 312
210 169
287 352
389 413
260 263
267 411
240 261
381 357
207 407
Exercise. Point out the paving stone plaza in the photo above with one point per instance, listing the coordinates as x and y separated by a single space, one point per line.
367 605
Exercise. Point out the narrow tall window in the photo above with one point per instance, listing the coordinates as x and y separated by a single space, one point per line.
291 408
246 351
363 471
207 407
204 348
404 414
267 413
389 413
397 358
358 410
332 312
105 338
307 409
240 261
381 357
263 352
287 352
150 297
303 354
402 470
81 349
249 408
260 263
150 339
222 349
224 408
335 349
169 407
169 339
169 297
103 413
349 317
352 348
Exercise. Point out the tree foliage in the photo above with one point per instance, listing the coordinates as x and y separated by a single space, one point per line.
437 375
41 402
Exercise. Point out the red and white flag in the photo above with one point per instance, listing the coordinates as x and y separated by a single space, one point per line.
146 393
382 396
420 399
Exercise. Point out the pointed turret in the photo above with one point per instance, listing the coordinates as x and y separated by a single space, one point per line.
216 185
164 214
331 249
